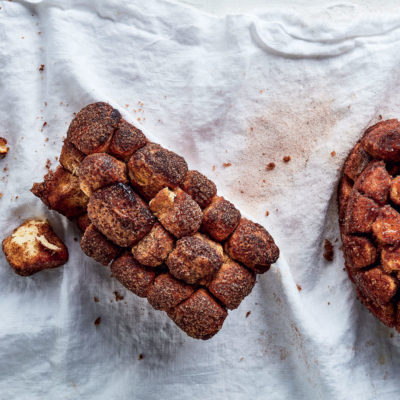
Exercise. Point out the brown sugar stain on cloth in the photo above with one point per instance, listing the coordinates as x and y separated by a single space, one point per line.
280 131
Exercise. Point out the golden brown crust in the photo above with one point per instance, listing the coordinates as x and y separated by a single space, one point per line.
382 140
71 157
154 248
376 285
386 227
359 251
92 128
374 182
253 246
232 283
199 187
126 140
356 162
200 316
120 214
33 247
220 218
60 192
361 213
98 247
134 276
195 259
152 168
167 292
3 147
177 212
99 170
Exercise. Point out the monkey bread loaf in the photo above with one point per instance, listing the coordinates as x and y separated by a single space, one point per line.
369 218
162 228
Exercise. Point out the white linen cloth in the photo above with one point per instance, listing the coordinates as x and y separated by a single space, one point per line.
241 89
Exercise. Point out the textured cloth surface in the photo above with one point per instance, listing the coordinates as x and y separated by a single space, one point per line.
245 90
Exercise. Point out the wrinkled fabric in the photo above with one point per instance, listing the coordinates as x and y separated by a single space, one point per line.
241 89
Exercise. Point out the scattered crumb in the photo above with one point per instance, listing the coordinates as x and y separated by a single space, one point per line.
270 166
299 288
48 164
96 299
41 68
1 195
45 103
261 91
226 164
3 147
16 197
126 105
118 297
241 358
39 33
328 250
286 159
329 303
75 239
248 314
380 117
266 213
141 356
333 153
97 322
213 167
44 124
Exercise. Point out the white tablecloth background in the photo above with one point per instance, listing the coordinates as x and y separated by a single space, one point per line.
245 89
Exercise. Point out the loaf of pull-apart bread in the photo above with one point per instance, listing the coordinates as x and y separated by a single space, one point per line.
162 227
369 201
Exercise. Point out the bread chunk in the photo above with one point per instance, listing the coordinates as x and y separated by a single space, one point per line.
33 247
71 157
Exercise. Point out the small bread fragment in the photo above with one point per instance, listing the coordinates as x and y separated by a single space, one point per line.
126 140
253 246
382 140
167 292
120 214
356 162
385 312
177 212
92 128
71 157
83 222
359 251
199 187
34 246
60 191
195 259
376 285
134 276
95 245
390 259
386 227
374 182
200 316
151 168
3 147
220 218
361 212
98 170
395 191
345 189
154 248
232 283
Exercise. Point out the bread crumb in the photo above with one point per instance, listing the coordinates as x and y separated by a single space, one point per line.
226 165
266 213
333 153
1 195
328 250
248 314
299 288
213 167
41 68
96 299
270 166
141 356
286 159
118 297
97 322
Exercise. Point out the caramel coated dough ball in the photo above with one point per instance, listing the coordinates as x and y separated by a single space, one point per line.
199 187
120 214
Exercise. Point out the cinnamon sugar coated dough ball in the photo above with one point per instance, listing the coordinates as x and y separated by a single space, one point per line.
220 218
200 316
60 191
395 191
152 168
71 157
253 246
199 187
95 245
120 214
126 140
3 147
386 227
92 128
132 274
345 189
34 246
154 248
98 170
359 251
195 259
167 292
177 212
356 162
232 283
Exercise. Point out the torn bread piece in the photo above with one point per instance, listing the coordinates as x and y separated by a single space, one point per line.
33 247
